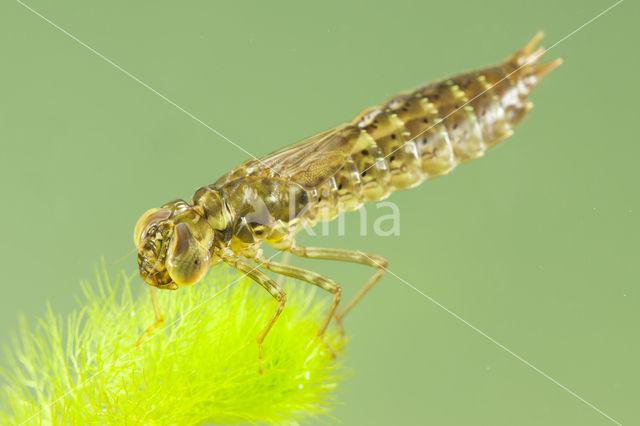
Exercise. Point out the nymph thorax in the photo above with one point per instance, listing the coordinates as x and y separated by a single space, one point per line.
179 241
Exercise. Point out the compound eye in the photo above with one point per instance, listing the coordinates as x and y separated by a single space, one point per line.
187 259
147 220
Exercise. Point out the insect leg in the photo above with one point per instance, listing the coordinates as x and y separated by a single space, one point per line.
274 289
346 256
286 258
315 279
159 317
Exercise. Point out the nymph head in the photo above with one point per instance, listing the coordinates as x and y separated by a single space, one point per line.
174 244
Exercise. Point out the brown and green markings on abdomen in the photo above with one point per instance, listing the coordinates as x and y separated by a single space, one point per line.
427 133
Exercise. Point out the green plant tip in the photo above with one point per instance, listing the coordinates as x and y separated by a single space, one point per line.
200 366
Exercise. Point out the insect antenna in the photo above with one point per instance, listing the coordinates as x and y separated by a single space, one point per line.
121 258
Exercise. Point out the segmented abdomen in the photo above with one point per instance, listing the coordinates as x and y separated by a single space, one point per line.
426 133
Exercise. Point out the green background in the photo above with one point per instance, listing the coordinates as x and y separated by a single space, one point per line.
536 244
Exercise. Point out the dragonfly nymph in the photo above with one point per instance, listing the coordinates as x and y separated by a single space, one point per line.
412 137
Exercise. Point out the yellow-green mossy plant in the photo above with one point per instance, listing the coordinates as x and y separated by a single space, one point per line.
201 366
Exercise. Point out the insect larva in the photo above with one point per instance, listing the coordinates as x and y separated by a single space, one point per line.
412 137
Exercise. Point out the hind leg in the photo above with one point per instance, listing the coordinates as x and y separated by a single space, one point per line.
373 260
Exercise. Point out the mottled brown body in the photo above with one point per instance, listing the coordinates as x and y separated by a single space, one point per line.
412 137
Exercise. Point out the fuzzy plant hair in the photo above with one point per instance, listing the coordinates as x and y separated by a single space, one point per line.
201 366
